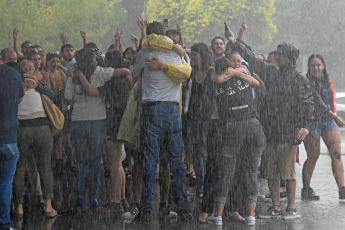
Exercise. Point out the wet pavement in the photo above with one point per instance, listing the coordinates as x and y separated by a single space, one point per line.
327 213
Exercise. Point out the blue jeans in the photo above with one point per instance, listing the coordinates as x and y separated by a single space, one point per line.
9 155
88 139
162 120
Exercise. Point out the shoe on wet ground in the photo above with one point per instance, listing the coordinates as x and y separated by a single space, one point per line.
217 220
184 215
342 194
250 220
290 213
80 203
132 211
273 212
125 204
309 194
94 204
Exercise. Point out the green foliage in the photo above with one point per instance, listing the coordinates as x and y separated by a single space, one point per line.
40 21
203 19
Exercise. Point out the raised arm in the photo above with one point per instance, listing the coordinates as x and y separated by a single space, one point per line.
83 34
63 38
15 43
241 32
135 40
117 40
179 29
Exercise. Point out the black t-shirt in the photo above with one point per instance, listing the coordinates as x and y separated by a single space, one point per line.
235 100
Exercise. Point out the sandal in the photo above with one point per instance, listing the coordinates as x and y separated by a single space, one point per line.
51 214
235 217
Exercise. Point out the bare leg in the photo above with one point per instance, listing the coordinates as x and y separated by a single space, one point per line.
274 186
291 188
115 152
312 146
333 143
250 209
219 209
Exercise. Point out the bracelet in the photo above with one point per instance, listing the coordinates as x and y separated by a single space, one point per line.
335 118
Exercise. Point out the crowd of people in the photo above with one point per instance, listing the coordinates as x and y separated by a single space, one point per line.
212 117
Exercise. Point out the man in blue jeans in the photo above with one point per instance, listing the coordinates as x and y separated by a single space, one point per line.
11 93
161 117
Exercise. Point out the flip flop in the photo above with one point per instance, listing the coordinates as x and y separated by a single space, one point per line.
51 214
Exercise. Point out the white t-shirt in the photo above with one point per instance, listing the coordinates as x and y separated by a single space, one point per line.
86 107
31 106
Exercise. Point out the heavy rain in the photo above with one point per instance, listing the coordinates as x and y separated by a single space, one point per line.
158 114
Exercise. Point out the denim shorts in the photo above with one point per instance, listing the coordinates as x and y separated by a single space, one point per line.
319 128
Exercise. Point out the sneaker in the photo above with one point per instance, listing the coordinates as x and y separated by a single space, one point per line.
125 205
342 194
184 215
273 212
308 194
163 212
217 220
290 213
250 220
143 217
80 203
132 212
94 204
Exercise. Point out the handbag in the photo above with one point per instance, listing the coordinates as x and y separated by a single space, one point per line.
56 117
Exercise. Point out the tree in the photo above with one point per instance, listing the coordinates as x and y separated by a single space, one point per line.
203 19
40 21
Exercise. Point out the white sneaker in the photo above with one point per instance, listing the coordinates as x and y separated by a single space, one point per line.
217 220
250 220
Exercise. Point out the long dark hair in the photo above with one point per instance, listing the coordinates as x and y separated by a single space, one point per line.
221 65
205 54
114 59
84 58
325 76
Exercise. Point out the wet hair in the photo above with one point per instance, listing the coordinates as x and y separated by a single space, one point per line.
228 55
97 52
31 53
173 31
205 54
111 47
128 49
22 63
84 58
23 44
114 59
217 37
261 55
221 65
325 76
64 46
3 52
155 28
51 55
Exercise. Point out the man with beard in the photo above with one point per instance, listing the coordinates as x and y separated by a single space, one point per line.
218 47
67 52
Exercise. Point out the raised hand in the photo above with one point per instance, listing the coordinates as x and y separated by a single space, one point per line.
229 34
134 39
15 33
243 26
118 34
63 38
179 26
83 34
